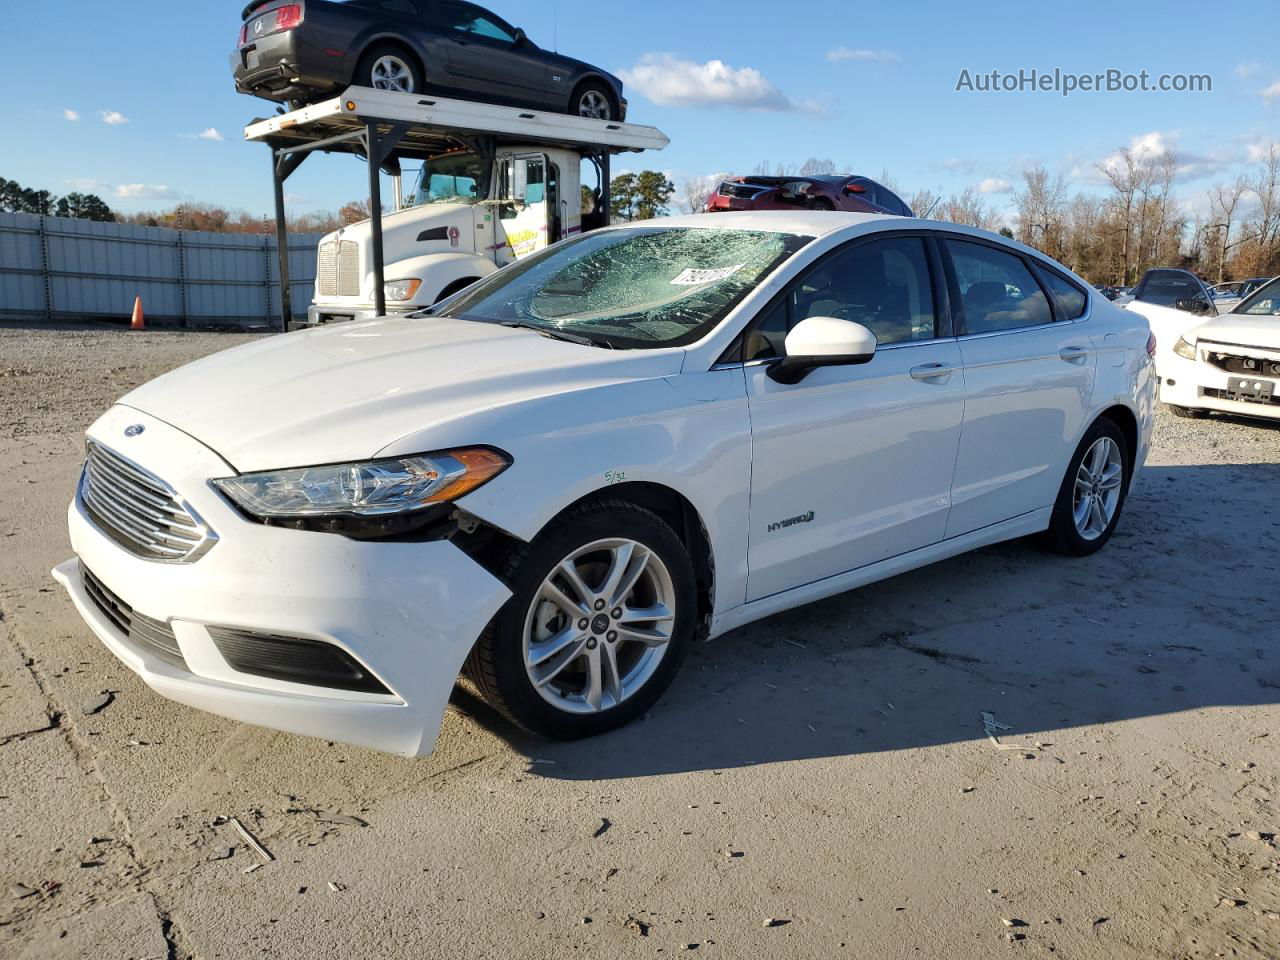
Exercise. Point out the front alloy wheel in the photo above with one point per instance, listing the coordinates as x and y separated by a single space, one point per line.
602 611
599 626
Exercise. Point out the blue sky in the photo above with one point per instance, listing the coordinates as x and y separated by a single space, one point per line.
782 91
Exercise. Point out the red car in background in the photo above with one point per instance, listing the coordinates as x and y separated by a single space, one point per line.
849 193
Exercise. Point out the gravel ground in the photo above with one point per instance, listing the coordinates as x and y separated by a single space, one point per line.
815 785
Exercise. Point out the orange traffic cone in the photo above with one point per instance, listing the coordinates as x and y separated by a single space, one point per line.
138 322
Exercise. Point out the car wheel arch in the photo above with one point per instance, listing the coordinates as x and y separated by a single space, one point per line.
1127 421
583 79
669 504
367 43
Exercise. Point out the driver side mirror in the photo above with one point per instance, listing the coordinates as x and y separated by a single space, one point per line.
1194 305
823 342
855 188
521 37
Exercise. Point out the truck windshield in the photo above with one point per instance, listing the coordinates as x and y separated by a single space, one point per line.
458 177
631 287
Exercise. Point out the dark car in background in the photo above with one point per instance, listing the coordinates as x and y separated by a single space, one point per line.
853 194
299 52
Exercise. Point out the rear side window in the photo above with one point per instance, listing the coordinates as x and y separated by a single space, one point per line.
1068 300
997 291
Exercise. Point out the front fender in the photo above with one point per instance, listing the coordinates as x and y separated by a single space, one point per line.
438 271
689 433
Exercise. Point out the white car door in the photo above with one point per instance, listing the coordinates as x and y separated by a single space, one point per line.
1029 383
853 464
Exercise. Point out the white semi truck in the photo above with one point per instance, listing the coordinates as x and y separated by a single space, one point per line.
497 183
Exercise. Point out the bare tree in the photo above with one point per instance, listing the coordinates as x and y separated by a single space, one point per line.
1224 201
1042 211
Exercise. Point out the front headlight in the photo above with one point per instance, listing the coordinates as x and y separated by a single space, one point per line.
1184 348
375 490
401 289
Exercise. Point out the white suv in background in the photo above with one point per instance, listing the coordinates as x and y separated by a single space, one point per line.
560 476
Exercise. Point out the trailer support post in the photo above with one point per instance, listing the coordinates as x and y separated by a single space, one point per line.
378 149
282 167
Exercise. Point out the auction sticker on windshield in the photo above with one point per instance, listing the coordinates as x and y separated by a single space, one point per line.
693 278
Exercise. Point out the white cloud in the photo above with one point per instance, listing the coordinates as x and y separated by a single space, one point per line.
113 117
869 56
209 134
141 191
1270 93
994 185
70 114
675 82
86 184
1247 68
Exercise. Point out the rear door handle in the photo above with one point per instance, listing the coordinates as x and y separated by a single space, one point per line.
1074 354
931 371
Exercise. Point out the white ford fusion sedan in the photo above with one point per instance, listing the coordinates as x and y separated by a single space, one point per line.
558 478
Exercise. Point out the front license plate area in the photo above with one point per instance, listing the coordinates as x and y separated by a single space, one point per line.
1250 389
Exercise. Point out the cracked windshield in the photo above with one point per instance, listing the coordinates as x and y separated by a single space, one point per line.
632 287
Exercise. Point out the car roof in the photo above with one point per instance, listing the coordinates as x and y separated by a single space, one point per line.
812 223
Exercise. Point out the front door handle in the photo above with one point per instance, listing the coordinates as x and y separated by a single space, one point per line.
1074 354
940 372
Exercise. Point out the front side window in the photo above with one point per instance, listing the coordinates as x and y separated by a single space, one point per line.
636 287
468 19
885 285
997 291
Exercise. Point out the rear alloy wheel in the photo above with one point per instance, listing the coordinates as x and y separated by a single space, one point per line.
1093 492
391 69
601 616
593 101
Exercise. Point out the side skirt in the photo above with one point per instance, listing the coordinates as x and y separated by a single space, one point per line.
1025 525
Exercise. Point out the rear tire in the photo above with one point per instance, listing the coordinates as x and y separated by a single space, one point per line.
575 656
388 67
821 203
1188 413
1093 492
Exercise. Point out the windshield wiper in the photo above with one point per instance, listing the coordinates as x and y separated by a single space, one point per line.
557 334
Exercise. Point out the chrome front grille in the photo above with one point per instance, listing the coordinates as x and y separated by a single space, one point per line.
338 269
139 511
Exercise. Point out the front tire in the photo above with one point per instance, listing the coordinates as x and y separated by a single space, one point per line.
593 101
1188 413
1093 492
602 614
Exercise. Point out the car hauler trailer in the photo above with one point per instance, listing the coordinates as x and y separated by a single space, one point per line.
498 183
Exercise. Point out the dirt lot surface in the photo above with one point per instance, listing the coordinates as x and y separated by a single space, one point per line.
816 785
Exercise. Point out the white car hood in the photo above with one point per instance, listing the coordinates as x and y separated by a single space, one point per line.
1262 333
346 391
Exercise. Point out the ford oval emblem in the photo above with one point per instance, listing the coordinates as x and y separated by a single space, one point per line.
136 430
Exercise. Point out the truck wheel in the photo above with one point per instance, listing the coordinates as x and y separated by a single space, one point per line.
593 100
602 613
388 67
